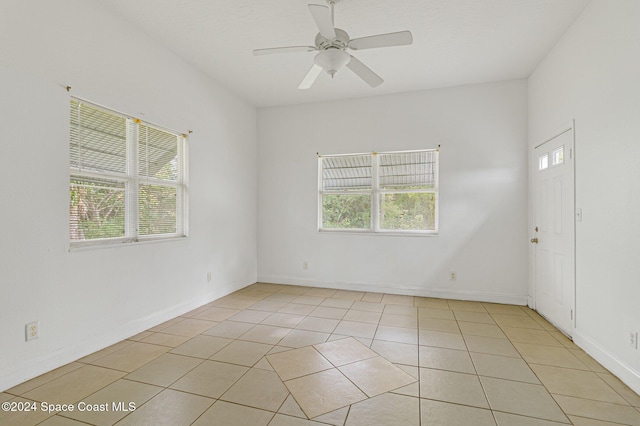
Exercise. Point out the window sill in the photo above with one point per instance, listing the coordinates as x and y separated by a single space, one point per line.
382 233
120 242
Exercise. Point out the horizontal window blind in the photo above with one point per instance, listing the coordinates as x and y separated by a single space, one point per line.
127 177
379 192
97 209
411 169
158 163
347 172
157 209
157 153
98 139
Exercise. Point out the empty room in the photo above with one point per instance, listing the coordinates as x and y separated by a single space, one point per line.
318 212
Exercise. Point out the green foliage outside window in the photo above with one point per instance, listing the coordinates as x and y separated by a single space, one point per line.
96 209
380 191
346 211
398 211
157 213
408 211
112 192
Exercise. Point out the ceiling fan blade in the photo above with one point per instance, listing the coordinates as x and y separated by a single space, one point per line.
311 77
324 22
288 49
364 72
401 38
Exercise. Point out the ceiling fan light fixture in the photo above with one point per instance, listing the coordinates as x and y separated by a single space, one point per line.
332 44
331 60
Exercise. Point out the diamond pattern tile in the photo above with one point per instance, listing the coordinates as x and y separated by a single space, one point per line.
282 355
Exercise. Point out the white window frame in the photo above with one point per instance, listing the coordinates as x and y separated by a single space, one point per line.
376 192
132 181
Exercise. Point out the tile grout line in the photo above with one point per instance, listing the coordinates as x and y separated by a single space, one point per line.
257 292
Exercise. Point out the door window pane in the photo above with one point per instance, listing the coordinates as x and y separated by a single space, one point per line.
543 161
557 156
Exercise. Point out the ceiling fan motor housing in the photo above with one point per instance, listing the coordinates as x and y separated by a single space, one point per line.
332 43
340 42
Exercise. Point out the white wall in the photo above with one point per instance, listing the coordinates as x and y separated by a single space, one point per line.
89 299
483 193
593 76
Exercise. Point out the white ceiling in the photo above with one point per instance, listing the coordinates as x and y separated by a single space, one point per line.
456 42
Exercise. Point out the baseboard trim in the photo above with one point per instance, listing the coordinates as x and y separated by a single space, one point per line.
530 302
625 373
52 360
476 296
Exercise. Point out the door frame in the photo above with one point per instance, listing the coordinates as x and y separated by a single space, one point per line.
567 127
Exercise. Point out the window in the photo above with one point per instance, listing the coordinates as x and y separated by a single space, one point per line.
127 178
557 156
390 192
543 162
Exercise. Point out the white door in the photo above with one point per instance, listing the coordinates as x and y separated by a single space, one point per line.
553 236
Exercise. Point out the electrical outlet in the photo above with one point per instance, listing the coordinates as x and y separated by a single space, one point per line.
32 330
632 339
305 265
452 276
209 277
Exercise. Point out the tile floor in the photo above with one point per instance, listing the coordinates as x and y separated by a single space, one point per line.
294 356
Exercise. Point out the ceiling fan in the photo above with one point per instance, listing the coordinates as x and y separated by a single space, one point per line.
332 43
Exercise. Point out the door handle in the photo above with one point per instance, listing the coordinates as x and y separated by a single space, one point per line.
534 240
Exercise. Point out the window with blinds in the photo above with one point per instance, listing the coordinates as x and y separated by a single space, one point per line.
379 192
127 178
